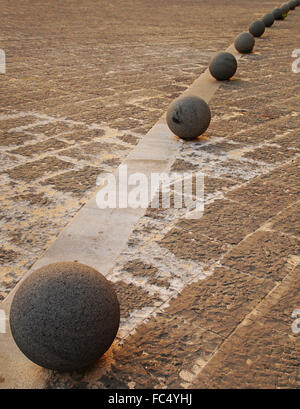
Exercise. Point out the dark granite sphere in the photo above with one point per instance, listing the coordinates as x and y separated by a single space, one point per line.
277 13
188 117
244 43
285 9
292 4
257 28
268 19
64 316
223 66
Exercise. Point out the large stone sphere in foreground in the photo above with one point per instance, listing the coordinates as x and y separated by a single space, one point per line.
64 316
244 43
277 13
257 28
268 19
188 117
223 66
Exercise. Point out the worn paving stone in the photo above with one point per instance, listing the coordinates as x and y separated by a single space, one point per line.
34 199
225 295
286 176
132 297
254 195
271 154
15 138
288 221
263 352
225 221
212 185
75 181
289 141
34 170
7 256
152 353
15 122
263 254
193 245
49 145
140 269
55 128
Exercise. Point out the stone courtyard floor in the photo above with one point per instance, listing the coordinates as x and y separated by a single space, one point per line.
206 303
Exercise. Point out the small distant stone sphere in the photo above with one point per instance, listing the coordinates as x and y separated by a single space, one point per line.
285 9
277 13
257 28
292 4
64 316
188 117
244 43
223 66
268 19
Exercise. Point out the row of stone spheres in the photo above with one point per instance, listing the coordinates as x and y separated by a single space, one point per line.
189 117
66 315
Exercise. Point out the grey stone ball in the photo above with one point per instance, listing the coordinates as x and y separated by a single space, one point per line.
257 28
223 66
285 9
244 43
292 4
64 316
188 117
268 19
277 13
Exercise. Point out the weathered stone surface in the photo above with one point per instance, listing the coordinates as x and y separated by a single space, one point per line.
264 351
271 155
277 13
223 66
64 316
257 28
197 247
188 117
254 195
244 43
288 221
285 9
264 254
38 169
268 19
132 297
223 220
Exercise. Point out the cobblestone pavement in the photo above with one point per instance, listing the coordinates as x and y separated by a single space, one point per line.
205 303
